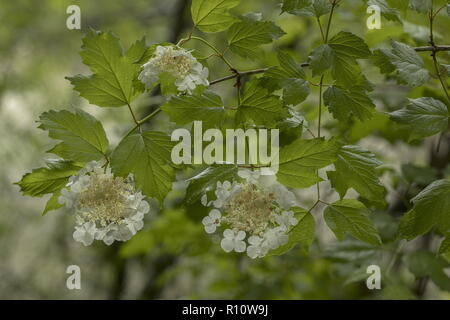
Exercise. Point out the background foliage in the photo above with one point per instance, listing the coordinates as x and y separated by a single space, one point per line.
172 257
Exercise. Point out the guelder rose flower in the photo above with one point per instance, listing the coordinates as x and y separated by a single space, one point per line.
286 219
258 247
253 206
106 208
177 62
232 240
212 221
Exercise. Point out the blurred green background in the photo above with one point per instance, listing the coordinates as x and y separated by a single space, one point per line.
172 257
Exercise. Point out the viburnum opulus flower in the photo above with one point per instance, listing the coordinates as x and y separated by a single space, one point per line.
253 214
177 62
106 207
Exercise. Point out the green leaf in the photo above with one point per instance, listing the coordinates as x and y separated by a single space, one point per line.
112 83
302 233
424 116
426 264
293 6
290 76
410 66
386 11
207 180
321 7
289 68
381 59
431 209
351 217
307 8
52 203
246 36
419 175
346 49
291 128
148 157
207 107
83 137
300 160
295 91
343 103
340 54
421 5
321 59
259 106
47 179
445 246
355 168
212 15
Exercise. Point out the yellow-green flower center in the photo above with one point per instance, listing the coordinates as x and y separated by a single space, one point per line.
104 199
250 209
177 65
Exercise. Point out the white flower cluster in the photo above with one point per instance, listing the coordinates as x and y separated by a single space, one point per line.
256 215
178 62
106 207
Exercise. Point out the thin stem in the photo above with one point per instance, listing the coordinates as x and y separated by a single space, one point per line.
438 146
333 5
314 205
253 166
219 54
320 105
432 48
132 114
439 74
238 92
140 122
439 10
310 132
208 56
433 55
241 73
325 40
394 256
431 28
321 29
106 161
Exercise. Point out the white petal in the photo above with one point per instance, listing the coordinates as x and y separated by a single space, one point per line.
228 234
227 245
144 207
240 235
252 251
207 221
215 214
239 246
254 240
218 203
204 200
210 228
108 240
84 236
123 233
138 225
